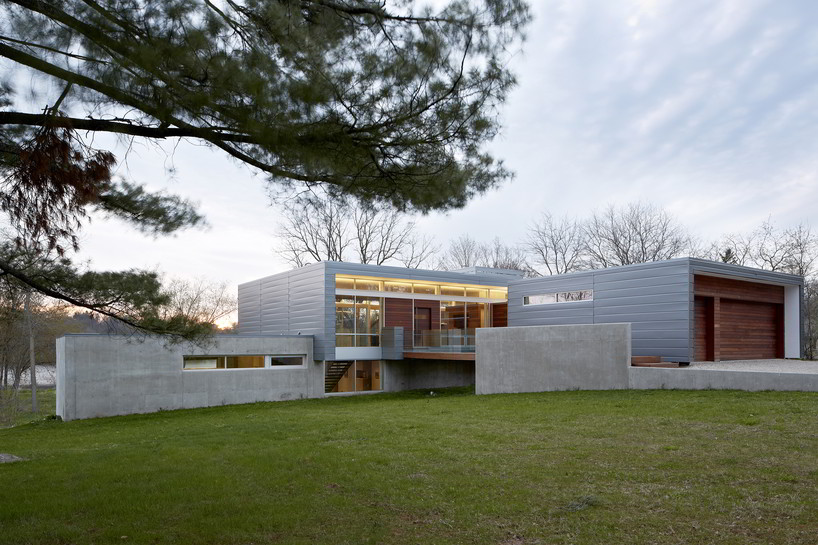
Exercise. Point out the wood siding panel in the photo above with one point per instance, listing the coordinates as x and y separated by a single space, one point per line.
399 313
499 315
703 317
749 330
740 290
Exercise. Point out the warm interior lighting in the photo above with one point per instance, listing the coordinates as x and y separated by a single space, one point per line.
396 285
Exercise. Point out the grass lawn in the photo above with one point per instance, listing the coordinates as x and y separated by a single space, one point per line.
15 407
567 467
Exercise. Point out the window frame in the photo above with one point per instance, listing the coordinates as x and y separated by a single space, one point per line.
267 362
556 295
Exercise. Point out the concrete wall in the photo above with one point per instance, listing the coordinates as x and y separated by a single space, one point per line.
646 378
417 374
547 358
102 375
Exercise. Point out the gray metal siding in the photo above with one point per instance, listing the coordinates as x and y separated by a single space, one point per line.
249 313
714 268
287 304
653 297
580 312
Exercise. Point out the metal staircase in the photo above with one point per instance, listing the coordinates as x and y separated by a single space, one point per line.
335 370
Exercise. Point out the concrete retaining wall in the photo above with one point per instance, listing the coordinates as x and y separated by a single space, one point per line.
547 358
647 378
416 374
103 375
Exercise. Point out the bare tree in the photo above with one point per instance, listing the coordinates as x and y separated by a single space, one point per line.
418 251
770 248
380 234
802 252
328 229
462 252
314 230
558 245
498 255
465 252
636 233
199 300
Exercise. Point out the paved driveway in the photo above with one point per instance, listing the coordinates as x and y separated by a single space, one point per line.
764 366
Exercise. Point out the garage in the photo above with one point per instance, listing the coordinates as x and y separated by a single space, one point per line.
737 320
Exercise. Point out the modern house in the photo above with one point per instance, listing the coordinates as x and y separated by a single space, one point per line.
341 328
681 310
369 321
415 326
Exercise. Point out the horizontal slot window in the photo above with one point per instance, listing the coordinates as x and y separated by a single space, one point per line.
407 286
240 362
559 297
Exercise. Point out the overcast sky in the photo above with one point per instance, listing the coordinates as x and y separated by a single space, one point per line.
707 108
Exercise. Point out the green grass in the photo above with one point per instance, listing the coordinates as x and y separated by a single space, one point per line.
15 407
568 467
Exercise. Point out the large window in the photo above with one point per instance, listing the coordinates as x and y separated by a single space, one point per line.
357 321
559 297
240 362
366 283
352 376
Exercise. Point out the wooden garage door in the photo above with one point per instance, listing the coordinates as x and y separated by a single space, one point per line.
750 330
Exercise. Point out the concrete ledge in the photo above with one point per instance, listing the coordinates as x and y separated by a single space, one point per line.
646 378
549 358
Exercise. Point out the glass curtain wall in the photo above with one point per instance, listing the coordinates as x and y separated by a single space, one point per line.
352 376
458 321
357 321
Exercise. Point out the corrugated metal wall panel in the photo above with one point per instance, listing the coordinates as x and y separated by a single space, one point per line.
249 311
653 297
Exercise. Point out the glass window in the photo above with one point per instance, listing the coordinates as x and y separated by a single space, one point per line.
452 315
345 340
452 290
342 283
244 362
475 292
559 297
344 314
498 294
476 315
401 287
286 360
368 285
239 362
203 362
428 289
541 299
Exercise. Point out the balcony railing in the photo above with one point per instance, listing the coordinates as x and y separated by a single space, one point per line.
444 340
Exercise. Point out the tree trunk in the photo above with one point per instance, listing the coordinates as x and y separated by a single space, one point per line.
31 358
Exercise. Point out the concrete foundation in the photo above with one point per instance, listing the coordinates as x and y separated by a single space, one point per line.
548 358
103 375
646 378
417 374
